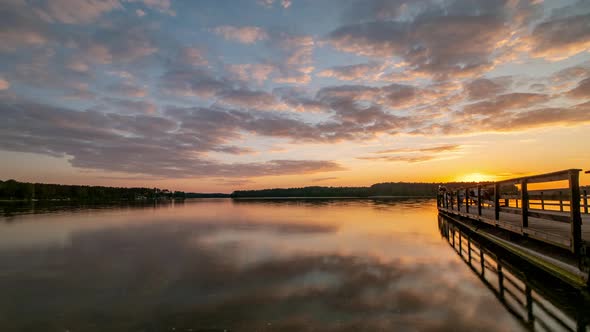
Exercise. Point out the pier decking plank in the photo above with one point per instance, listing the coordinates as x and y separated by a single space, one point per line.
555 232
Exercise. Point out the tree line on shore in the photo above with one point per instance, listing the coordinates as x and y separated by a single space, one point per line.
15 190
412 189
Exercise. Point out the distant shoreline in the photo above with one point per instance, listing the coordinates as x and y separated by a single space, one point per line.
328 197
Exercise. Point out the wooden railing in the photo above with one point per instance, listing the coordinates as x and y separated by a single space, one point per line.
550 204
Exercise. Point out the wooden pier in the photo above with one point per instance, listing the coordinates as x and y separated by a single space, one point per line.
555 215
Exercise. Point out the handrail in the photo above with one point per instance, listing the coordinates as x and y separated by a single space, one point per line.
577 201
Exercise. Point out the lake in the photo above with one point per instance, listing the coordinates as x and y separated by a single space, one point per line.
248 265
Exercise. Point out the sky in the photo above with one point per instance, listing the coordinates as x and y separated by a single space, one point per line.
216 96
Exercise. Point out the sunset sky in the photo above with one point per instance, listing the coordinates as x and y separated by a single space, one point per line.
214 96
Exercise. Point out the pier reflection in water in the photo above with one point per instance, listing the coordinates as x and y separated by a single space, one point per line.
537 300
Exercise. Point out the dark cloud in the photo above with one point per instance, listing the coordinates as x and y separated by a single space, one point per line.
441 39
582 91
364 71
483 88
560 38
502 103
20 27
127 106
127 89
141 144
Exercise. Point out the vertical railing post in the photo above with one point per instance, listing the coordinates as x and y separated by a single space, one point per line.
479 200
575 216
524 197
466 200
451 199
542 202
585 201
497 201
459 200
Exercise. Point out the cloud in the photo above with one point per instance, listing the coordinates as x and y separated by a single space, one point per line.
192 56
582 91
269 3
75 11
434 149
502 103
414 155
409 159
426 45
163 6
258 72
193 82
364 71
328 178
20 27
561 38
126 106
483 88
127 89
440 39
4 84
141 144
250 99
244 35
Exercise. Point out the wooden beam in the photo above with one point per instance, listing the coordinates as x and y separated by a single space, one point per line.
576 218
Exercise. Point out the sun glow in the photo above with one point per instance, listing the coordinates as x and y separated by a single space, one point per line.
476 177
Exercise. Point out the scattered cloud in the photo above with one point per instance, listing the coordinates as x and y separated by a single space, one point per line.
269 3
4 84
162 6
244 34
75 11
434 149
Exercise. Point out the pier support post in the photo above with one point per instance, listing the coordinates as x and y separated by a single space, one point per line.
575 216
524 197
459 200
497 201
466 200
479 200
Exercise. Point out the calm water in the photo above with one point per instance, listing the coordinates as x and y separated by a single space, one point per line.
215 265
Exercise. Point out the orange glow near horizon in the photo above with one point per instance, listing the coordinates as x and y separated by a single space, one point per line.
476 177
